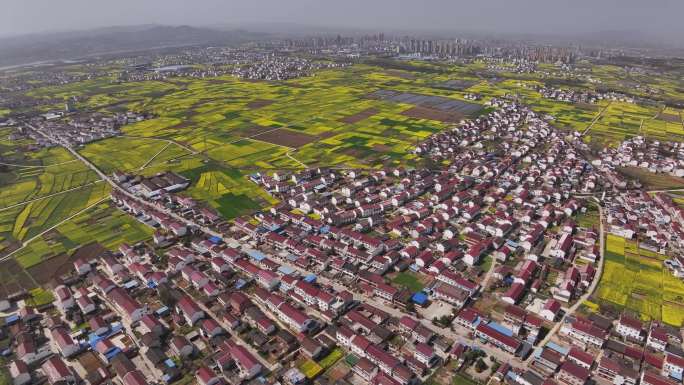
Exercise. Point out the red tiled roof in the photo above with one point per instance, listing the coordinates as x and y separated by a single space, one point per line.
494 334
575 370
631 322
243 357
581 356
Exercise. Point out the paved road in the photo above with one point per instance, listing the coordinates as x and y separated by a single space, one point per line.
240 341
125 192
594 283
458 334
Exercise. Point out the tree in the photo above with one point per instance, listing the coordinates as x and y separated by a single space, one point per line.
480 365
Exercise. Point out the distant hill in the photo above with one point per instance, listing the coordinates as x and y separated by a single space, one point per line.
77 44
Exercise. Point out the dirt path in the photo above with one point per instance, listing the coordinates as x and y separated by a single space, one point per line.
596 118
37 166
26 242
49 195
155 156
289 155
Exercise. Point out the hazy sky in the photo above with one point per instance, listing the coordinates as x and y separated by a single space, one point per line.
664 17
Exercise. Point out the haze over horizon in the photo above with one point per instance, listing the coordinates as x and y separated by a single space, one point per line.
660 19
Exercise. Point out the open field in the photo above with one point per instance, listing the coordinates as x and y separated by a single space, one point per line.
412 281
122 154
27 175
103 224
13 278
635 279
219 117
368 115
40 189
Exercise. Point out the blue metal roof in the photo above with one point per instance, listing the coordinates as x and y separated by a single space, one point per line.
310 278
557 348
501 329
112 353
215 240
162 310
256 255
285 269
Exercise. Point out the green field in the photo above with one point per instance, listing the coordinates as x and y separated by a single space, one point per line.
103 223
40 189
409 280
635 279
331 358
217 131
310 369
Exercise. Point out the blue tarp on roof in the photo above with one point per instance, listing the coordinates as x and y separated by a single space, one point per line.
512 243
256 255
131 284
112 353
286 270
215 240
169 362
162 310
325 229
14 318
419 298
311 278
240 283
557 348
114 328
414 267
501 329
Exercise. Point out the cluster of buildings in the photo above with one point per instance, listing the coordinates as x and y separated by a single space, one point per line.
277 66
77 129
652 155
315 275
577 96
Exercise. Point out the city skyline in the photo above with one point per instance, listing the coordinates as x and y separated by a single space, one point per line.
493 16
